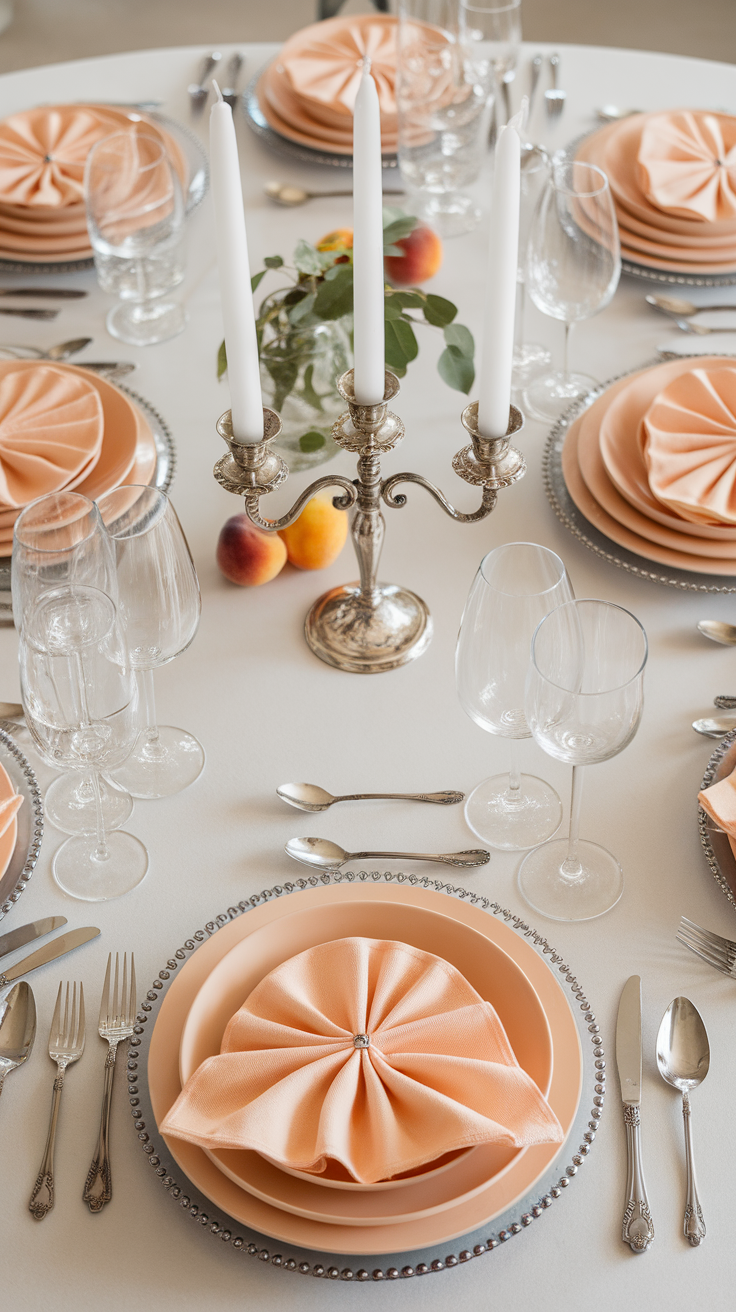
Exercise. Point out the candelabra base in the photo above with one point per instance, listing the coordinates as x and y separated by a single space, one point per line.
366 633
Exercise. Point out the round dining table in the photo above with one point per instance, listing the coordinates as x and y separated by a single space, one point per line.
267 711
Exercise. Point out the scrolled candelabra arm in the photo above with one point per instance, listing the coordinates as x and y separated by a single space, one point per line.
398 499
344 502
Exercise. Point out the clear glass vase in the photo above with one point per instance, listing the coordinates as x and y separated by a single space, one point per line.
300 365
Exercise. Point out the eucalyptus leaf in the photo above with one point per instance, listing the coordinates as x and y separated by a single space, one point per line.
311 441
312 397
401 344
303 307
438 311
398 229
257 278
456 369
392 310
309 260
393 212
410 300
456 334
335 295
284 374
273 261
221 361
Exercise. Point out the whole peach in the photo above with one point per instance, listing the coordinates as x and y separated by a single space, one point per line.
421 259
318 536
248 556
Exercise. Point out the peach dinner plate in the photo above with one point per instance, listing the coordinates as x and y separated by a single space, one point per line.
491 972
625 537
306 131
455 1219
618 415
8 839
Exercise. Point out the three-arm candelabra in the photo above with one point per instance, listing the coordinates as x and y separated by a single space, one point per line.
368 626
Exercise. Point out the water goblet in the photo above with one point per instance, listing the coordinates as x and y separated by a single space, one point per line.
60 539
80 703
584 700
516 585
159 607
135 217
573 268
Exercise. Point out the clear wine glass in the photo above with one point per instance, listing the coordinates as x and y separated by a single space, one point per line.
584 699
80 703
530 358
159 605
516 585
60 539
573 268
492 30
135 217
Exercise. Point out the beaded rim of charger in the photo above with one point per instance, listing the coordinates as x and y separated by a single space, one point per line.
221 1230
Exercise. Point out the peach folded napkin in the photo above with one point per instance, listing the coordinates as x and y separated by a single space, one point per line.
51 426
324 64
688 437
687 164
719 802
43 152
368 1052
8 811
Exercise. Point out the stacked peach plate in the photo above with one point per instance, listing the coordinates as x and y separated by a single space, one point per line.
673 181
62 426
652 464
42 157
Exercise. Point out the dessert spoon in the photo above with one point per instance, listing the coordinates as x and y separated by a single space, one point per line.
324 855
61 351
683 1059
308 797
17 1027
287 193
680 307
718 631
716 726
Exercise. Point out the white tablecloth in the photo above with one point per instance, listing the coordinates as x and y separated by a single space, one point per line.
267 711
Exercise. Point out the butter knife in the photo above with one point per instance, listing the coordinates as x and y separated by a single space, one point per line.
51 293
17 938
58 948
638 1228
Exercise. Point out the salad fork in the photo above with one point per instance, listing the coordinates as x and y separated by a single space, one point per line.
66 1045
718 952
117 1017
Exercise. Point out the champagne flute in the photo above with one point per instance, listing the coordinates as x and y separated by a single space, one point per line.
572 272
516 585
584 700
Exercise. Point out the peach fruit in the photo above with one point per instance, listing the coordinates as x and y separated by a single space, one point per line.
339 240
421 259
318 536
248 556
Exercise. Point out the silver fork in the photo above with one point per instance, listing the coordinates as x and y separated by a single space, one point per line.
117 1017
718 952
66 1044
554 100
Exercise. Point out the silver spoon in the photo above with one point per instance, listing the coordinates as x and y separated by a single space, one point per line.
308 797
17 1027
677 305
699 329
683 1058
324 855
718 631
554 100
287 193
61 351
716 726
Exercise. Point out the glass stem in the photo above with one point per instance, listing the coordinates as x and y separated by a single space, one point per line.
514 775
153 750
520 308
102 851
566 356
571 866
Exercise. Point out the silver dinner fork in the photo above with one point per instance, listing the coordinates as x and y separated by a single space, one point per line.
66 1044
117 1017
554 100
718 952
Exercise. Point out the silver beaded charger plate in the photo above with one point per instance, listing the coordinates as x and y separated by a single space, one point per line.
29 821
581 528
259 124
238 1239
162 478
715 843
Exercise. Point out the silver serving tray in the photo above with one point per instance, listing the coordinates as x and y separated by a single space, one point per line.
581 528
259 124
423 1261
715 843
29 821
162 478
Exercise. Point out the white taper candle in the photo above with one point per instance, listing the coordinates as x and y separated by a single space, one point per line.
368 276
500 292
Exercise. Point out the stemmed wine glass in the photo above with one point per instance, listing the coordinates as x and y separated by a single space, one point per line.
530 358
584 699
58 539
159 605
572 272
493 27
80 703
516 585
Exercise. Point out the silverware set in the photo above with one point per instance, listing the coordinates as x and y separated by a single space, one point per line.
66 1045
682 313
111 369
715 951
200 89
683 1059
117 1017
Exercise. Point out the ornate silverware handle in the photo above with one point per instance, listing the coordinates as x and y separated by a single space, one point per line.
638 1227
441 799
694 1227
98 1185
42 1197
476 857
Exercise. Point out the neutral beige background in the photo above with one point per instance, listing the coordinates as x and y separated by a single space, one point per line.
47 31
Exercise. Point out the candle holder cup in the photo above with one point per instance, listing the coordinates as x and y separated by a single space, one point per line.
368 626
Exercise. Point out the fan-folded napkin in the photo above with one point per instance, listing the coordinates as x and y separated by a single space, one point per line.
8 811
368 1052
324 64
687 164
719 802
51 427
688 438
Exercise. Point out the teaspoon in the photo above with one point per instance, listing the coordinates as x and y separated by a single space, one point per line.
715 726
61 351
17 1027
287 193
308 797
683 1058
324 855
680 307
718 631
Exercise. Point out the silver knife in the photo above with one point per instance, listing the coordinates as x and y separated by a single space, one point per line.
51 293
638 1228
17 938
58 948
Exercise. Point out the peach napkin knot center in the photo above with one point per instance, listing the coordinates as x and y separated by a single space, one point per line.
361 1040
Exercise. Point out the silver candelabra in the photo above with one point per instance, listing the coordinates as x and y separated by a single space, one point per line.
368 626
